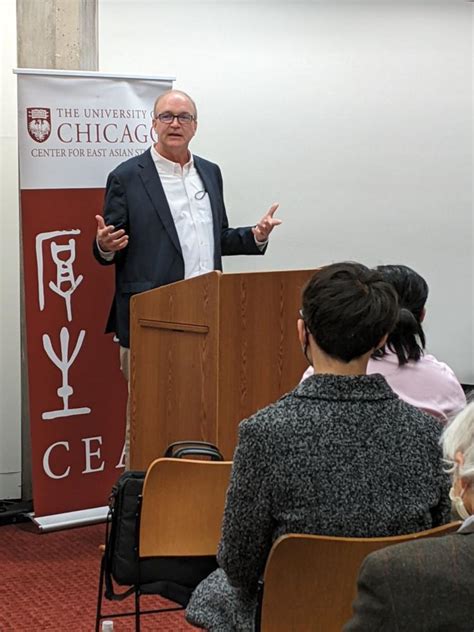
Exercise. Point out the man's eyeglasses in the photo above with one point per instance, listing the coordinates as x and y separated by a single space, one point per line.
184 118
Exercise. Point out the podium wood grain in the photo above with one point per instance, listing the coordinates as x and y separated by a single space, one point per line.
208 352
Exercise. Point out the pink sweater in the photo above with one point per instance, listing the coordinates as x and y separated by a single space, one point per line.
426 384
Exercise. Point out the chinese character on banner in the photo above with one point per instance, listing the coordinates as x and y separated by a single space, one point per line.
65 283
63 363
61 245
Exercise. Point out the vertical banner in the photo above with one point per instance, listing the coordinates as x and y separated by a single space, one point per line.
73 129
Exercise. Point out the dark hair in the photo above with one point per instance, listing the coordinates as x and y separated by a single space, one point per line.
407 339
348 308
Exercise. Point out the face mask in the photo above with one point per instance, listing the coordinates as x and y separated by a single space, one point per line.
305 346
458 505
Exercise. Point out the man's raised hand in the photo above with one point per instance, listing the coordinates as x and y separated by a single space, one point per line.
265 226
109 239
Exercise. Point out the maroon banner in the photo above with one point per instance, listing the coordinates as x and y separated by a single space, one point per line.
77 394
73 129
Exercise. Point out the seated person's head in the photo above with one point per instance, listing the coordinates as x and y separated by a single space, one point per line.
407 339
458 449
347 312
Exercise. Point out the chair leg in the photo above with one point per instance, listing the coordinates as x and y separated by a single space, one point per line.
137 608
99 596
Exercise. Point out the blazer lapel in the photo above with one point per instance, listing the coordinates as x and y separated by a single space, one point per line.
154 188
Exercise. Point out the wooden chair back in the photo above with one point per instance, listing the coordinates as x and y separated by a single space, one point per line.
310 581
182 507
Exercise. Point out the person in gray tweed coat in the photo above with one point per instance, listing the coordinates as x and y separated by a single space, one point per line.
429 584
341 454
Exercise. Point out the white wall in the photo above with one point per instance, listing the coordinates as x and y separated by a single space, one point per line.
356 117
10 411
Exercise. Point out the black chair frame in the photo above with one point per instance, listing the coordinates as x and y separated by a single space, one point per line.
137 589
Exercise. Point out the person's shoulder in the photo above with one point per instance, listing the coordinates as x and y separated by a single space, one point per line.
130 165
415 426
270 417
405 554
203 163
418 415
444 382
430 361
426 420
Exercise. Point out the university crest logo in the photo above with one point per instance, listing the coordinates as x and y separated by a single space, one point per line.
38 121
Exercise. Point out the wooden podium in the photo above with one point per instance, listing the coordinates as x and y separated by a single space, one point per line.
208 352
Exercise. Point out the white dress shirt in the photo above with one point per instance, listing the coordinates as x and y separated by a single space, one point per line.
191 211
190 208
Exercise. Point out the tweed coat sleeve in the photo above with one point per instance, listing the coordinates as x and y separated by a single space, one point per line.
248 525
372 606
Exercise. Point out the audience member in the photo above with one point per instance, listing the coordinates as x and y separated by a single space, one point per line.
418 378
427 585
341 454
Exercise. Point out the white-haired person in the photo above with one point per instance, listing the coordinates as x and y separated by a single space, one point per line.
416 376
427 584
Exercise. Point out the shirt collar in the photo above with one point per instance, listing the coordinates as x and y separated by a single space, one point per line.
168 166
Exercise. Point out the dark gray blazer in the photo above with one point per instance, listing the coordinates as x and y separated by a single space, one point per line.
338 456
135 201
424 586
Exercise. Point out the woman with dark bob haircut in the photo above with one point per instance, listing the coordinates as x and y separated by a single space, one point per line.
417 378
341 454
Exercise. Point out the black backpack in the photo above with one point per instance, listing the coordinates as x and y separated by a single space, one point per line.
172 577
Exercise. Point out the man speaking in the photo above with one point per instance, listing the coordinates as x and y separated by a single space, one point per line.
164 217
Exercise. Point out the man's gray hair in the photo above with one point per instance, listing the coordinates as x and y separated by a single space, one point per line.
184 94
458 436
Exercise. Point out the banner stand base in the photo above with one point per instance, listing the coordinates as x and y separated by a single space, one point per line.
70 519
